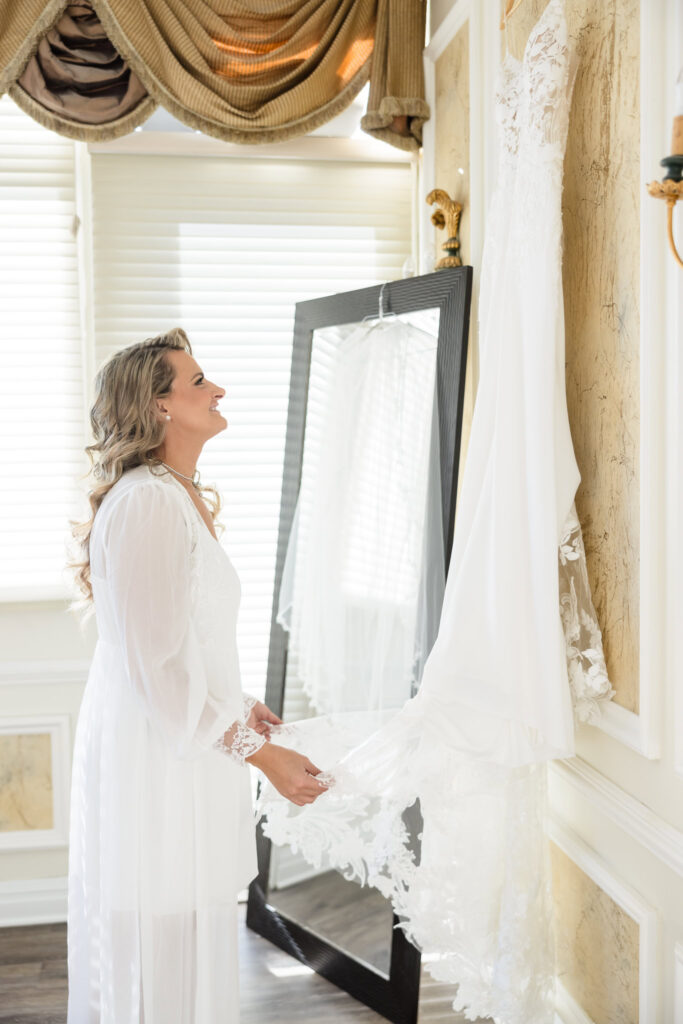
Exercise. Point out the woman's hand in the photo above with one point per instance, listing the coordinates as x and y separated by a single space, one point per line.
261 718
292 774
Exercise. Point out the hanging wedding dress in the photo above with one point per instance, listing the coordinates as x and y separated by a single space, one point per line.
507 674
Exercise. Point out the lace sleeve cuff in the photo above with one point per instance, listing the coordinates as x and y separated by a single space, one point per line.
249 703
239 742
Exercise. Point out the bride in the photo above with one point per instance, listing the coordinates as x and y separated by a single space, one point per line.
162 830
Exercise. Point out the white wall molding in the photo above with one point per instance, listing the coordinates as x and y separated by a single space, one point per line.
632 903
652 385
662 840
477 197
86 284
427 172
673 52
567 1010
477 19
451 24
44 673
58 728
33 901
678 982
56 593
639 732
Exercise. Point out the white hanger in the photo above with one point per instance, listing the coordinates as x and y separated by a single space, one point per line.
380 316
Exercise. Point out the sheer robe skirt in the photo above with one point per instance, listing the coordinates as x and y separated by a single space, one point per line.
193 977
159 849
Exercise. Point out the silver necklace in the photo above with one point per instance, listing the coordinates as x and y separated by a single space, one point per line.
192 480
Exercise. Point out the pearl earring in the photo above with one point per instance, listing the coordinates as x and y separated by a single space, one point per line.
167 416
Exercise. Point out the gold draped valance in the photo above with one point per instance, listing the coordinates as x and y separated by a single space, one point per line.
247 71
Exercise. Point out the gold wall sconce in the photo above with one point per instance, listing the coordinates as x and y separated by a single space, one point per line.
447 215
670 188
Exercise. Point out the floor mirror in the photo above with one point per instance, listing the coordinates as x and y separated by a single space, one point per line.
408 380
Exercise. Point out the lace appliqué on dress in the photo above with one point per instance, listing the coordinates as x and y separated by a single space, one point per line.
588 679
478 903
240 741
483 834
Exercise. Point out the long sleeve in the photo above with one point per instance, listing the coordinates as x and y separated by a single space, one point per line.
148 568
240 741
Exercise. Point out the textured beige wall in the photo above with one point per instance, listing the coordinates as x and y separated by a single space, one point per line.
597 945
452 173
25 782
601 219
601 285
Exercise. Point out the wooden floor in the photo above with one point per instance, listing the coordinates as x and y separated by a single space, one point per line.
356 919
274 987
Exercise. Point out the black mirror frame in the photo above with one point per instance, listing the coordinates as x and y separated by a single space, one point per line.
449 290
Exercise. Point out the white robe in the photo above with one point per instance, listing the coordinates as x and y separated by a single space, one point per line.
162 829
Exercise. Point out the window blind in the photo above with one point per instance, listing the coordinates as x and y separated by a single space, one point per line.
225 247
41 394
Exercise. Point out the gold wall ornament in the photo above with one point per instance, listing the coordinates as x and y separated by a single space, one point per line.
670 188
447 215
671 191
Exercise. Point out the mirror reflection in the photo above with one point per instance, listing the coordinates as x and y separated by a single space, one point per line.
367 534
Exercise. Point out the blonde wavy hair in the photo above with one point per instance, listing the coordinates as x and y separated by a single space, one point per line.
126 431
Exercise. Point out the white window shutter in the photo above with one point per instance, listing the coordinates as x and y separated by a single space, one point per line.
224 248
41 393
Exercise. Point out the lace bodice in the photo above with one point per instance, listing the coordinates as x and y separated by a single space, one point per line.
507 114
534 94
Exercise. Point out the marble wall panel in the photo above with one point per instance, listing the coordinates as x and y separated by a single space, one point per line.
597 945
602 191
26 782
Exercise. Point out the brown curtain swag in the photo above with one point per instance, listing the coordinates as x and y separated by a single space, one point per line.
247 72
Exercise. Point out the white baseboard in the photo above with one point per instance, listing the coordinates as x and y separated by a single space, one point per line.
33 901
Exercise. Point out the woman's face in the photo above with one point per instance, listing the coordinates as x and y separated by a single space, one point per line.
192 403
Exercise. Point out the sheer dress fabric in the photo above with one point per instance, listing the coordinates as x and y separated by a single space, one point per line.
363 577
512 668
162 835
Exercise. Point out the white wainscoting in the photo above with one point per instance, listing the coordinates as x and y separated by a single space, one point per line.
678 982
44 673
631 902
631 815
33 901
